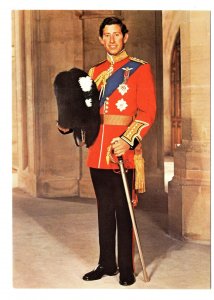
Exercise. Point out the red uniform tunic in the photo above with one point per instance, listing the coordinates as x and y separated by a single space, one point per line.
137 106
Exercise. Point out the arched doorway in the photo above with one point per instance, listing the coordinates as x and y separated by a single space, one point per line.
175 109
176 94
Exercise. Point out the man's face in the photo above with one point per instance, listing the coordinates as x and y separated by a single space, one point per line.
112 39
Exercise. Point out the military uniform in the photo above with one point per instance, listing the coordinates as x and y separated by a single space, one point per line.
127 110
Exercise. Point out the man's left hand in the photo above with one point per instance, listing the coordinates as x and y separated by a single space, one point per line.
119 146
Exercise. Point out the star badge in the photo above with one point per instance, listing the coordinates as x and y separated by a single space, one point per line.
121 104
123 88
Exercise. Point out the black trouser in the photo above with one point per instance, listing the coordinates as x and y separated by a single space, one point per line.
113 213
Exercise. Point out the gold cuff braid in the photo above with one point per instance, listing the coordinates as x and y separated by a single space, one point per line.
133 132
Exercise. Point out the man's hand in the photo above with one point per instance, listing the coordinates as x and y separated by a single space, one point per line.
119 146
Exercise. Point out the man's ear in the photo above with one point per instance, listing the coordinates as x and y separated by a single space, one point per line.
125 39
101 40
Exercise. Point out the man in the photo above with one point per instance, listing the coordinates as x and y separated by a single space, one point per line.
127 109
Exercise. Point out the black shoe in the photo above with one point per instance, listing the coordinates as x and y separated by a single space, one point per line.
98 273
128 280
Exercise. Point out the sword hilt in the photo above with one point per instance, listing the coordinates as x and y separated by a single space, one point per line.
120 158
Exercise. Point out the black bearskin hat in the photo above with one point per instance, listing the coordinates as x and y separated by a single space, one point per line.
78 104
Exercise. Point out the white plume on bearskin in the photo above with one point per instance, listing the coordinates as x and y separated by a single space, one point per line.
85 83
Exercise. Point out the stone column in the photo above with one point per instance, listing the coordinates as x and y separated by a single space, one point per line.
189 190
23 78
46 43
15 160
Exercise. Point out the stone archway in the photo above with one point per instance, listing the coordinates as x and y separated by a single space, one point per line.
174 114
176 133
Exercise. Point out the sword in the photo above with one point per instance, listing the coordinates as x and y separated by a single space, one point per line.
128 198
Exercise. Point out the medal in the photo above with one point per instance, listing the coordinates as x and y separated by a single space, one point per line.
123 87
126 73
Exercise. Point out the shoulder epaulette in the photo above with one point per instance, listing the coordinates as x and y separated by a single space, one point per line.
138 60
91 71
99 63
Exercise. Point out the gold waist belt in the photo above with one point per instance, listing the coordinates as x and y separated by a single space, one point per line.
116 120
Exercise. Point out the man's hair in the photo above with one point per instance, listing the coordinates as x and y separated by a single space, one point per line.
111 21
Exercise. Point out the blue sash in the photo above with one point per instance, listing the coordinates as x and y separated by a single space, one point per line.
117 78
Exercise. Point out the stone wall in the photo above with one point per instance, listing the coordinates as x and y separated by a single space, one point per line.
189 191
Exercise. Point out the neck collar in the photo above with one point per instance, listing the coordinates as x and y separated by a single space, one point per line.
115 58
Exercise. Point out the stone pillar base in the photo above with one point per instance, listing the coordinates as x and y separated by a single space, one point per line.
27 182
48 186
189 211
54 186
189 193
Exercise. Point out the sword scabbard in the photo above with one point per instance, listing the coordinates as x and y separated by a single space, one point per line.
128 198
